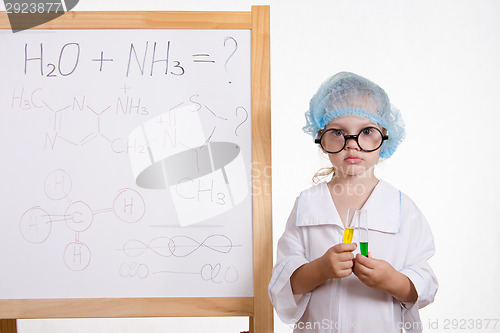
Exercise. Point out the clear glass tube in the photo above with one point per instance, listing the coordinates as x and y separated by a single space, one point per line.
350 224
362 224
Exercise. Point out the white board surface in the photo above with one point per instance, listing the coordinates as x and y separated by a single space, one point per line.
126 165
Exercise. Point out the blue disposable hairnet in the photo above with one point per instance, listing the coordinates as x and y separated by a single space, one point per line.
350 94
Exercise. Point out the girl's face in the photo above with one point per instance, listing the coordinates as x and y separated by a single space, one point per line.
352 161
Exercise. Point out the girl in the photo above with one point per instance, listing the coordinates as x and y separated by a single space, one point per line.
320 284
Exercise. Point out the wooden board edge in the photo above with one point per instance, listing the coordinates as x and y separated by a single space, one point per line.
141 20
126 307
262 177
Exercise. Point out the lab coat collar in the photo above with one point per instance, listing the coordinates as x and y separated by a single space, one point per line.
316 207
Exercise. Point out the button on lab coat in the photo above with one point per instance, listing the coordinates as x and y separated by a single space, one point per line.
398 234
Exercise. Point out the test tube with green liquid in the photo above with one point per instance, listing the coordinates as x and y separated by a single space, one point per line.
362 220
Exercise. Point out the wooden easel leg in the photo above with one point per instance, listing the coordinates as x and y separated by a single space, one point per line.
8 326
250 326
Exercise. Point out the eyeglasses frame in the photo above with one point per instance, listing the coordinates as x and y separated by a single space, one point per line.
318 138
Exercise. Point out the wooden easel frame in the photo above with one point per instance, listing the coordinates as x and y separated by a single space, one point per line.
258 307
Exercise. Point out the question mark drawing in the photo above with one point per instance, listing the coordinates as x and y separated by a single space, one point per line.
246 118
234 51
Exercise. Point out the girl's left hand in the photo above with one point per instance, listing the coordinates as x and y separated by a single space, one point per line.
374 273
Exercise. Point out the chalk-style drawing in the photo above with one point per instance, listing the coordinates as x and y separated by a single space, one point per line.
181 246
244 120
235 43
205 178
36 224
77 256
217 273
79 216
57 185
79 121
178 246
79 128
134 270
129 206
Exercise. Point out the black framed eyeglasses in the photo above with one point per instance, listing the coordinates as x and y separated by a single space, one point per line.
334 140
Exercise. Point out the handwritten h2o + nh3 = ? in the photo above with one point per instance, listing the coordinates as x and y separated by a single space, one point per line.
143 59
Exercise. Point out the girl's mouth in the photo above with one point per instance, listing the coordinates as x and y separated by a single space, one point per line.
353 159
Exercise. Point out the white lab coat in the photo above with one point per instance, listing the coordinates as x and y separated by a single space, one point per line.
398 234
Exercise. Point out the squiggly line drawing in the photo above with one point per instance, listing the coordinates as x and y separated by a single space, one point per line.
215 114
246 118
178 246
213 273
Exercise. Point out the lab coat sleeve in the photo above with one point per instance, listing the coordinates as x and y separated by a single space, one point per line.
420 250
290 256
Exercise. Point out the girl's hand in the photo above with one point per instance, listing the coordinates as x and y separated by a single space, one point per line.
337 262
379 274
373 272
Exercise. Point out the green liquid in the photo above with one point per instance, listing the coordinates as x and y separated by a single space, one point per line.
363 246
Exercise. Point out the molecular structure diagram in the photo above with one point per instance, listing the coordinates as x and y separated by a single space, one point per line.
76 141
36 224
83 123
78 123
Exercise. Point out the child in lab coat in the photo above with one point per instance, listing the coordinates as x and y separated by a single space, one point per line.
320 284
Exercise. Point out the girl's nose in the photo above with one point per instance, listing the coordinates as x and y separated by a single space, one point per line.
351 143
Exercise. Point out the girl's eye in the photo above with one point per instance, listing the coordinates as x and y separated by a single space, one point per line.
337 132
367 131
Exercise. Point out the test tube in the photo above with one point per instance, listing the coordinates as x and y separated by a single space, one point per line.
350 222
362 220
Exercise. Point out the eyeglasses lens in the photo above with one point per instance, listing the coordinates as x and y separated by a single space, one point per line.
332 141
368 139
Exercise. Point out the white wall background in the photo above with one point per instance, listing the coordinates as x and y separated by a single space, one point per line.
439 62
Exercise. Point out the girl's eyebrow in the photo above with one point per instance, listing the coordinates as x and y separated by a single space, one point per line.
343 128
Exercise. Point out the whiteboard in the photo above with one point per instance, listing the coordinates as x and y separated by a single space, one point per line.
126 164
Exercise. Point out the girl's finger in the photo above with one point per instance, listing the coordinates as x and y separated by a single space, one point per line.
346 256
360 269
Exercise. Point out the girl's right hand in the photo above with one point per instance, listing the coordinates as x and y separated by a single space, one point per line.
338 261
